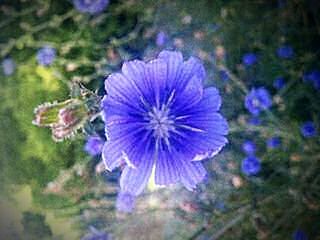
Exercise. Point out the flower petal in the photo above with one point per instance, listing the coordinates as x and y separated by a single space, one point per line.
191 95
167 168
156 77
111 157
192 67
131 139
136 72
174 62
134 180
192 173
201 124
122 89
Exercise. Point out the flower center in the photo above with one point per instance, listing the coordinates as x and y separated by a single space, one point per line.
256 102
160 122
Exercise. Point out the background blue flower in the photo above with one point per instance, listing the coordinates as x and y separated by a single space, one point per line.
249 147
299 235
254 120
249 59
273 142
279 83
46 55
223 75
258 99
95 234
251 165
285 51
313 77
8 66
90 6
161 38
308 129
94 145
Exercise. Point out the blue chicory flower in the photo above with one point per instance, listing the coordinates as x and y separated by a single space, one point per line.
125 202
249 59
258 99
285 51
249 147
273 142
279 83
8 66
94 145
157 115
90 6
46 55
308 129
251 165
161 38
299 235
95 234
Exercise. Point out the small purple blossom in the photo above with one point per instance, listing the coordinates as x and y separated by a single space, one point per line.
254 120
95 234
94 145
249 147
308 129
313 77
279 83
125 202
285 51
161 38
8 66
90 6
46 55
157 115
224 75
258 99
299 235
273 142
249 59
251 165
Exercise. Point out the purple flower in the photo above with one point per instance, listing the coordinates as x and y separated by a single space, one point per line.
46 55
313 77
279 83
258 99
273 142
161 38
125 202
95 234
254 120
8 66
299 235
308 129
90 6
249 147
285 51
157 115
251 165
249 59
94 145
224 75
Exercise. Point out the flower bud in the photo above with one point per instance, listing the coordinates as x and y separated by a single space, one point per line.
63 118
47 114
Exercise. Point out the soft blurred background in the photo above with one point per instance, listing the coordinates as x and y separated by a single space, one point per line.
56 190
